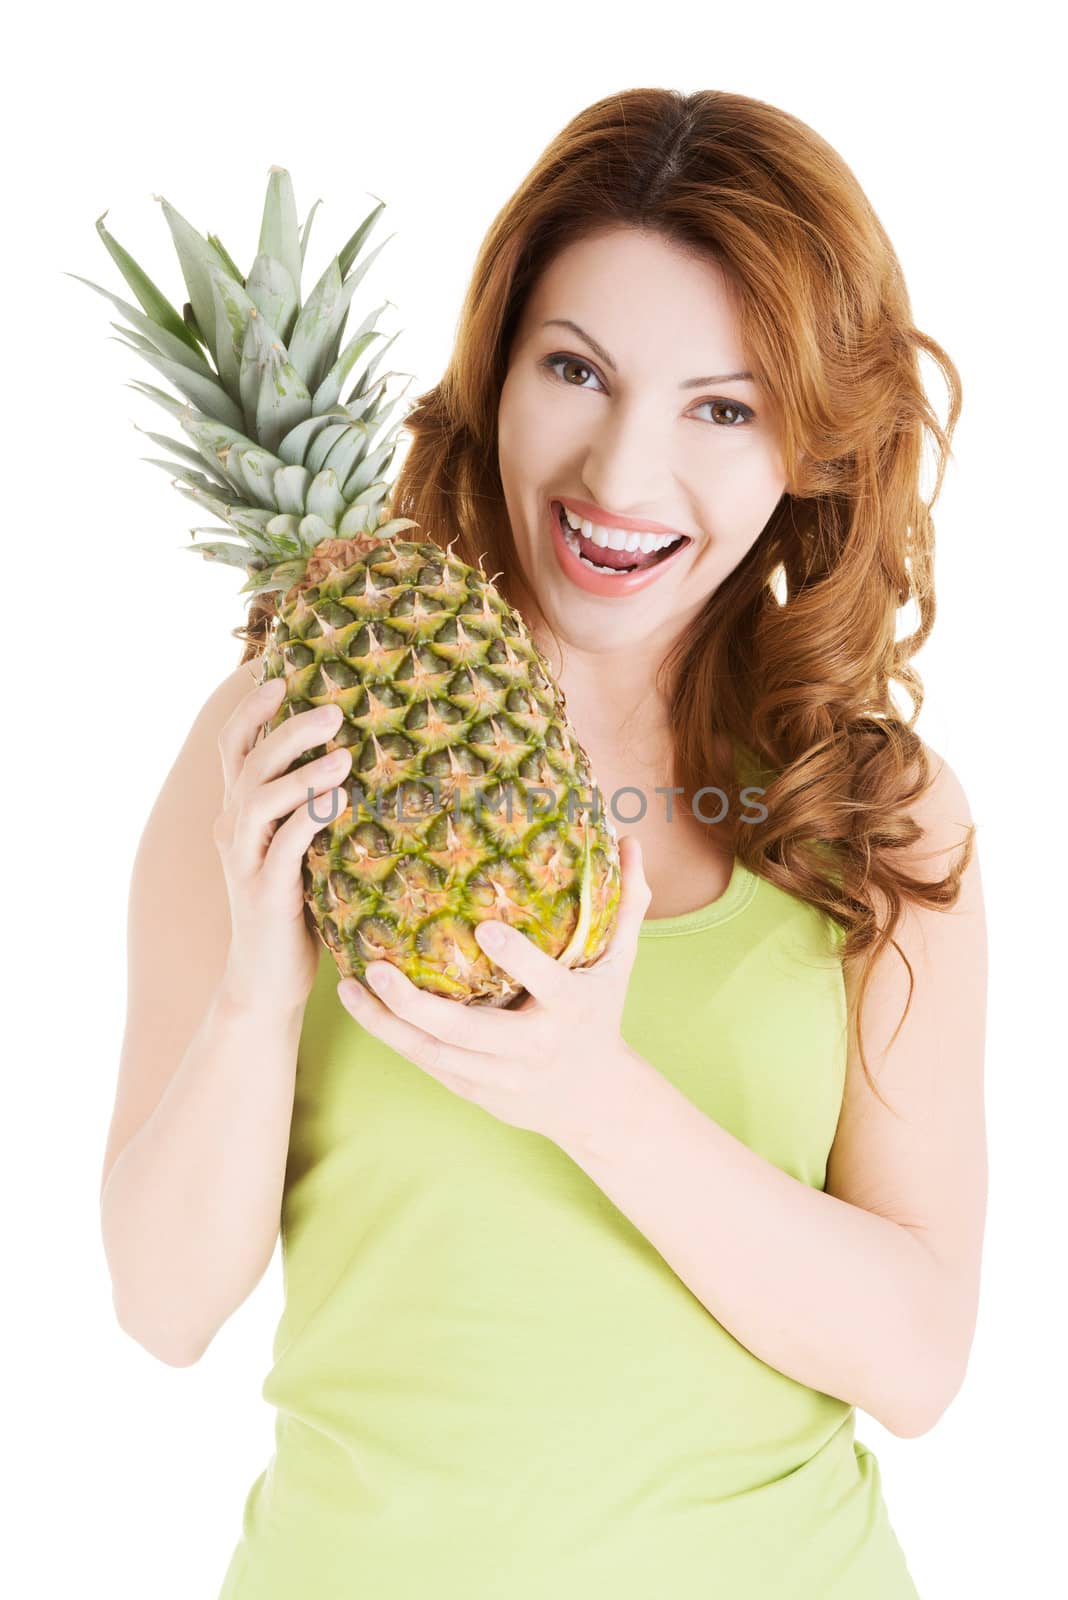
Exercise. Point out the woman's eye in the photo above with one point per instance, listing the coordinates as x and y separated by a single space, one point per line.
742 414
552 362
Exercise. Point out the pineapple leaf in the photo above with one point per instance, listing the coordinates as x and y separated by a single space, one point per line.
234 555
347 450
274 294
348 253
195 256
376 494
368 371
204 497
226 258
371 320
195 480
357 519
294 447
205 393
132 339
235 466
233 311
315 326
367 471
272 391
306 230
254 535
215 442
350 284
155 304
290 487
326 395
324 498
177 408
193 457
283 525
323 444
258 468
389 530
279 234
380 418
370 395
280 577
252 521
217 436
193 325
284 533
167 343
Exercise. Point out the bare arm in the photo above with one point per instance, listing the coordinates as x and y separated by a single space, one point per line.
190 1209
220 964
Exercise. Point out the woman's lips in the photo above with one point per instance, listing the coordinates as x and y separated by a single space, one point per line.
602 583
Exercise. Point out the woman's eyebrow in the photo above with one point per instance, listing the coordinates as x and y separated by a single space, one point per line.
602 354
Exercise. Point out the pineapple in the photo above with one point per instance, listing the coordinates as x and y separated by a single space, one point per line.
469 795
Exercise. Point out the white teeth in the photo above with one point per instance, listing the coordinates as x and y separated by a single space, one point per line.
609 538
571 540
616 539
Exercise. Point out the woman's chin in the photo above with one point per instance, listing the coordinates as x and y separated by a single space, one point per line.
590 627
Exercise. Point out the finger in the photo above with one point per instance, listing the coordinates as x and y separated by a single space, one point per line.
509 948
263 808
291 743
289 845
431 1055
470 1028
238 733
635 895
307 785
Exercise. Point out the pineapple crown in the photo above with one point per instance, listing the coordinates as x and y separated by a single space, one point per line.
276 454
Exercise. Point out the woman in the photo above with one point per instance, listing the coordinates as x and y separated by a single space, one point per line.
582 1295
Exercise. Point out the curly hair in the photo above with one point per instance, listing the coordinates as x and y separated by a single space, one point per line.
793 655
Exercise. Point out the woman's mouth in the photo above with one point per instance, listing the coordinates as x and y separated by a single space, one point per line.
600 569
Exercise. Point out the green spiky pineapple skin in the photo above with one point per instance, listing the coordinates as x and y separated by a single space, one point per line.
438 678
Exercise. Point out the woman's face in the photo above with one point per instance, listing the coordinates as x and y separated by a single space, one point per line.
619 430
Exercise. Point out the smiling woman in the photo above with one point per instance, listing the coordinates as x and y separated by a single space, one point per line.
582 1297
773 628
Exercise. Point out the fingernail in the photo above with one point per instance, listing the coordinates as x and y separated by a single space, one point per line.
490 934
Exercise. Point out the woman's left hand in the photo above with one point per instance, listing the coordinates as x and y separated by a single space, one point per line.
545 1065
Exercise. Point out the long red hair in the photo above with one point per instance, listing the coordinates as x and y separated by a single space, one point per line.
793 656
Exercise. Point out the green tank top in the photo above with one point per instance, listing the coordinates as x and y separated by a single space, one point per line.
490 1386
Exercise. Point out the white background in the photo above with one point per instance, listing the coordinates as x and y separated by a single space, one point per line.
130 1476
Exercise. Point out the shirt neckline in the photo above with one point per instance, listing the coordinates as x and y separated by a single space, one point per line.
741 887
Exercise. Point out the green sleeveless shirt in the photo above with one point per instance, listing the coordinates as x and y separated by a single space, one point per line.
490 1386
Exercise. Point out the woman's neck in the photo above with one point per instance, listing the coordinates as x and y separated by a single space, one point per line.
616 707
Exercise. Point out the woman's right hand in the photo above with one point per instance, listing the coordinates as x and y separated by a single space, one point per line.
274 950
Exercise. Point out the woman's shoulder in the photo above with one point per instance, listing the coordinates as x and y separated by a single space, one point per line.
227 694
